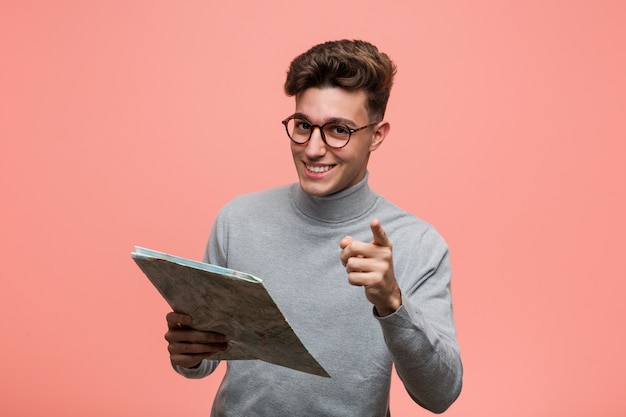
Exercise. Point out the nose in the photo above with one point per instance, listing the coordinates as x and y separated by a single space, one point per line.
316 146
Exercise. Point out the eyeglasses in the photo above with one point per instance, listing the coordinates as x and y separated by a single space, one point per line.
335 135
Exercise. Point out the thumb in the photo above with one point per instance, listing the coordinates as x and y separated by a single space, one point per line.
379 235
345 242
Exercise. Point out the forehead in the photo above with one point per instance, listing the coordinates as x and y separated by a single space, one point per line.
322 104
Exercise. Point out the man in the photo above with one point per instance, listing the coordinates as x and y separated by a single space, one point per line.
324 250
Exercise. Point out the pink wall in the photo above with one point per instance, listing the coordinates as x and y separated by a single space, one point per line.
132 122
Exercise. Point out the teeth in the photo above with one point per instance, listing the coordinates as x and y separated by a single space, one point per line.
318 170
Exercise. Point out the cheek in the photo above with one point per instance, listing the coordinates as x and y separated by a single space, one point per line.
348 156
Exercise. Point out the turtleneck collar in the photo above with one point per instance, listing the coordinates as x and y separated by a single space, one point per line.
342 206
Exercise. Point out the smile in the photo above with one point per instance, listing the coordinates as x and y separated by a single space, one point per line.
319 169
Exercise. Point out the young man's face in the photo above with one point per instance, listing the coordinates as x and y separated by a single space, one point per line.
323 170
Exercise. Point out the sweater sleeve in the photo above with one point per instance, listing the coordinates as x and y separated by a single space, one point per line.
205 368
421 335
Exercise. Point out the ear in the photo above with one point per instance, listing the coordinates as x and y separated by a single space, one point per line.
381 130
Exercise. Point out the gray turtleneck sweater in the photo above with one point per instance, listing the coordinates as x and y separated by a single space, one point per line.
290 239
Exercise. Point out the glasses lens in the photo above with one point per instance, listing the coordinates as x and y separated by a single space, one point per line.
299 130
336 135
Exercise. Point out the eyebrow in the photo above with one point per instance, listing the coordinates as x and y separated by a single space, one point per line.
339 120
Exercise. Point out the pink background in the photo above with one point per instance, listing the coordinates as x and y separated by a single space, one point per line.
133 122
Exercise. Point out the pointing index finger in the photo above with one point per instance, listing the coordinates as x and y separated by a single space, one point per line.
379 234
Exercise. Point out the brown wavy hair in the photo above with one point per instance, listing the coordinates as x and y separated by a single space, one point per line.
349 64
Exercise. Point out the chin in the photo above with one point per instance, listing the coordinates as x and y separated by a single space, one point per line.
315 189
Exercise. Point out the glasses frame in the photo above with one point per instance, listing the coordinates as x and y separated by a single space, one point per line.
321 128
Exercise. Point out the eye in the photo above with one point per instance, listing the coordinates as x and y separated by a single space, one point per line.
338 130
302 125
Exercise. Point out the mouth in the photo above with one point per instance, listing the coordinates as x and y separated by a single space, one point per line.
318 169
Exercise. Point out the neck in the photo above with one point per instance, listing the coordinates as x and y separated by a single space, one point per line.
338 207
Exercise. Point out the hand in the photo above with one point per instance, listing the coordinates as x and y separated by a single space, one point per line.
188 347
370 265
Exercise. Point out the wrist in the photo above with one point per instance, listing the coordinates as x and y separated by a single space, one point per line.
389 308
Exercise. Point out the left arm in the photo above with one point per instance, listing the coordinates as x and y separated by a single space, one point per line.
417 325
